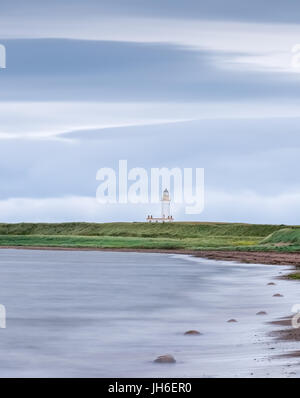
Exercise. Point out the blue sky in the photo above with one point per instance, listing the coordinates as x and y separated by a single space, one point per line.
162 84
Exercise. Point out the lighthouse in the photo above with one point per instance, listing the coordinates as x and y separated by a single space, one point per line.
165 205
165 209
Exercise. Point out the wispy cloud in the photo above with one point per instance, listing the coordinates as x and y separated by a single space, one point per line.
52 120
260 46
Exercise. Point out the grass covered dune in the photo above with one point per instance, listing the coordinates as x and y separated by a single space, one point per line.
179 236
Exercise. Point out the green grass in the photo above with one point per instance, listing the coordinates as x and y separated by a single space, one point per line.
186 236
294 275
284 240
123 242
285 236
155 230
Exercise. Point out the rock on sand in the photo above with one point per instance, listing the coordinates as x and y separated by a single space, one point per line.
192 333
165 359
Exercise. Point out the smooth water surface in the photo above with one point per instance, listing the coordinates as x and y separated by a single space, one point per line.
110 314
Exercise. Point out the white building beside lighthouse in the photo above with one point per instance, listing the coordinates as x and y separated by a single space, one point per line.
165 210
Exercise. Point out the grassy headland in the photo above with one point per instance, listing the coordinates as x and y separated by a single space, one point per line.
179 236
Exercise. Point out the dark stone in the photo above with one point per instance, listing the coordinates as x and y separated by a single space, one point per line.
165 359
192 333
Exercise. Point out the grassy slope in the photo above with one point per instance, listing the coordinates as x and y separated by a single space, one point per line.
284 236
285 239
143 235
167 230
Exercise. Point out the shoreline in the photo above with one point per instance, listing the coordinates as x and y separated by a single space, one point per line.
255 257
287 333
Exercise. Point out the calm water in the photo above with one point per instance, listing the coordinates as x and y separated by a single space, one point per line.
108 314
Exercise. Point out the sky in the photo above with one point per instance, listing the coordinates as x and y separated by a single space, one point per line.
161 83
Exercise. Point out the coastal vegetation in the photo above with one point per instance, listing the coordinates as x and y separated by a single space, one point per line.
294 275
181 236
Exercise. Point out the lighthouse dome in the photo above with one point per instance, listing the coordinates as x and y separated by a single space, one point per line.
166 195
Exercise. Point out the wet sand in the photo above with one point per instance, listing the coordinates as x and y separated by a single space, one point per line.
286 334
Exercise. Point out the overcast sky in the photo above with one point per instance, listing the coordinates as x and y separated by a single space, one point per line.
161 83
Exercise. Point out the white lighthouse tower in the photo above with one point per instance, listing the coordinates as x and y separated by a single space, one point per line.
165 210
165 205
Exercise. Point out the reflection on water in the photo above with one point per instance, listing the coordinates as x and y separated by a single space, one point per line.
109 314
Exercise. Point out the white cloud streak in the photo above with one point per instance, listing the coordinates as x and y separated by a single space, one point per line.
259 46
49 120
